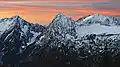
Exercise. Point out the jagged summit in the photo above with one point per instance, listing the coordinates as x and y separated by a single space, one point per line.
90 16
100 19
61 21
13 19
61 16
16 16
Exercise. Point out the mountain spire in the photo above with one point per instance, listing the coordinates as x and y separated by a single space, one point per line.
59 14
16 16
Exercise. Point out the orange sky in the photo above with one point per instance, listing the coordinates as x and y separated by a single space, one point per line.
43 12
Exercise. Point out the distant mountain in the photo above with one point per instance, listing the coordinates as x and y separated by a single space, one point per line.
89 42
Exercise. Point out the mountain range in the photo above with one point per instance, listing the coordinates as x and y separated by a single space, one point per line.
86 42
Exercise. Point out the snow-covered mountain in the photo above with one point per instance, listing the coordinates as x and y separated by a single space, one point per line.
92 35
17 36
98 26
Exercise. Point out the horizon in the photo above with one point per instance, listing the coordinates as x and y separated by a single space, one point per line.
55 17
37 11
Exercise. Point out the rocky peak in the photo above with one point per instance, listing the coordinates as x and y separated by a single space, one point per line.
62 25
100 19
16 16
62 20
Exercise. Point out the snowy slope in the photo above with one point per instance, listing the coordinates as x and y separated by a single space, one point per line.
98 24
5 24
98 29
101 19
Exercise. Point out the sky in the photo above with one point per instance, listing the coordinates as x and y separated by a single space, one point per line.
44 11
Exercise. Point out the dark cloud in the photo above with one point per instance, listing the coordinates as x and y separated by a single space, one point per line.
65 5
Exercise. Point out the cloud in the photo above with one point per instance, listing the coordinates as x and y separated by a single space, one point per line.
55 6
61 0
37 11
64 5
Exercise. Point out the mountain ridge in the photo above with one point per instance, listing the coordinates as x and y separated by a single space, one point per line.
84 38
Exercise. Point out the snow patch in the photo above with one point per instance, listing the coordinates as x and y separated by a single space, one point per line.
25 29
23 46
35 34
41 37
87 18
5 26
97 29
